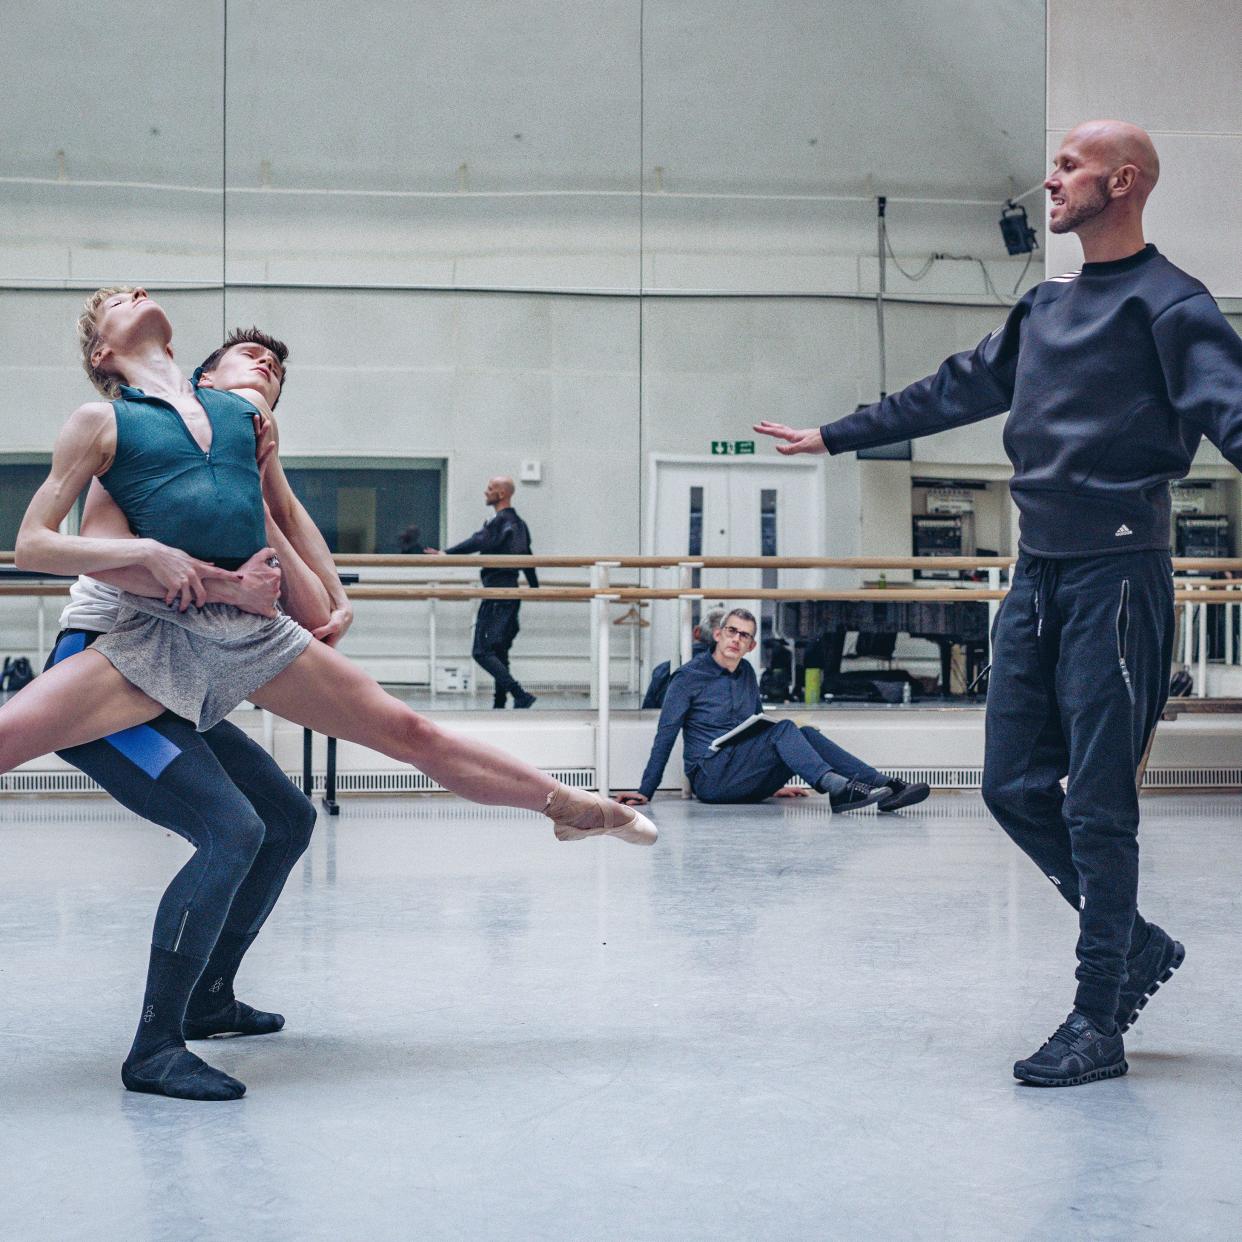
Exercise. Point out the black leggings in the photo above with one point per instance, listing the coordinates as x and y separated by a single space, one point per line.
224 794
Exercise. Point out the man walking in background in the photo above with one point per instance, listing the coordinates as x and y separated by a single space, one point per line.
496 626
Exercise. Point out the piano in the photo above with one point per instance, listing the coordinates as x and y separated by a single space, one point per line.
947 624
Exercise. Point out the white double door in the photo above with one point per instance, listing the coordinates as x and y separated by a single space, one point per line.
743 508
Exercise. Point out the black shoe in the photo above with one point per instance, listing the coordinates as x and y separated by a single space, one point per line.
1147 970
1077 1053
178 1073
500 701
236 1018
905 793
523 699
856 795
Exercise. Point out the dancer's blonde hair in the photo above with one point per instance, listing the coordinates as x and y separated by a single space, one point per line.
88 339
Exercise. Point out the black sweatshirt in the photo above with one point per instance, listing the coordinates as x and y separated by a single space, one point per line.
503 534
1110 377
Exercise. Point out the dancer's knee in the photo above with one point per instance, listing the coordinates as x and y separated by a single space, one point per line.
302 825
293 825
1002 794
416 735
240 839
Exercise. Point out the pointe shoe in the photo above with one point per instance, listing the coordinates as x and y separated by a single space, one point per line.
577 814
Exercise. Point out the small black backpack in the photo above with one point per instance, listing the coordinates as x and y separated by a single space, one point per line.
17 673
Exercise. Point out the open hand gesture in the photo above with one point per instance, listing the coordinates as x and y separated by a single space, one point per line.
806 441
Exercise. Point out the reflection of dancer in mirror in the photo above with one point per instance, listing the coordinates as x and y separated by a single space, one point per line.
1110 375
219 790
181 465
496 625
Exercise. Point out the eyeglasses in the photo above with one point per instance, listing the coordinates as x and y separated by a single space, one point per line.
733 632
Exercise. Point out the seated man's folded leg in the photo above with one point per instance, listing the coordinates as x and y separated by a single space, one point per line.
747 771
903 793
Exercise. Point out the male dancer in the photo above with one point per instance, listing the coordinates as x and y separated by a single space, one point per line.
219 790
180 461
496 626
1110 376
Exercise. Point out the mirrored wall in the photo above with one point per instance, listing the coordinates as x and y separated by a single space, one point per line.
582 245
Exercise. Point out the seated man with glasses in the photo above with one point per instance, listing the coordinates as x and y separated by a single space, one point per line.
717 691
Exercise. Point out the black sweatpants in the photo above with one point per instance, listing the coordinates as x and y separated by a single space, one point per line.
1080 674
495 628
224 794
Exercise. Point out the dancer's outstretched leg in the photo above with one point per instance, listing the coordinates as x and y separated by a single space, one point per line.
79 700
322 690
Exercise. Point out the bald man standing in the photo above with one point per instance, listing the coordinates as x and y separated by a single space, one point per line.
1110 375
496 626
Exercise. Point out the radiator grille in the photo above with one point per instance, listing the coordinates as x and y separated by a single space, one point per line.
1154 778
408 780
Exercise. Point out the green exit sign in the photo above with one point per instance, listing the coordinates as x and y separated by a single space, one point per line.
733 448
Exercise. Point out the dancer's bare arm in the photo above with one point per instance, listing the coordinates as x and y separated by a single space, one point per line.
255 587
302 595
292 518
85 449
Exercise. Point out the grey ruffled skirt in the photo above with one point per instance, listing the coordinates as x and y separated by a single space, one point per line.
201 663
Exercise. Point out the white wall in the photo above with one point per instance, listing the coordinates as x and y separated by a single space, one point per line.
1172 68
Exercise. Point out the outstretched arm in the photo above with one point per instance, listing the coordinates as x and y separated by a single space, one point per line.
673 714
1201 356
83 450
967 388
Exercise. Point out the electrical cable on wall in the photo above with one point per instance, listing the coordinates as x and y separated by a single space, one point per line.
1009 214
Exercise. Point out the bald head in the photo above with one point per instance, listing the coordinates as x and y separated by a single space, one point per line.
1101 177
1116 144
499 491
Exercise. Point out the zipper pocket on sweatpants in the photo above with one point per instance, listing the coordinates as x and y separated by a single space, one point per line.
185 916
1123 634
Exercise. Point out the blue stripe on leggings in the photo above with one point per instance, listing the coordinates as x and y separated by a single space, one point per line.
143 746
71 644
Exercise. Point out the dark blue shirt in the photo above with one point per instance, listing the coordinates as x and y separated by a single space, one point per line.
503 534
705 700
1110 375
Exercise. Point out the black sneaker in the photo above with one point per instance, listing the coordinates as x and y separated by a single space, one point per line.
1147 970
1077 1053
905 793
856 795
523 698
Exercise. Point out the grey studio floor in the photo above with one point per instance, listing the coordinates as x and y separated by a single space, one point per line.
775 1024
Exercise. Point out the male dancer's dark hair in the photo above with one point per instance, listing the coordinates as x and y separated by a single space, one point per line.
251 336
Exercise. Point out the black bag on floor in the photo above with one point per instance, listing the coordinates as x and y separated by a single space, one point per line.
17 673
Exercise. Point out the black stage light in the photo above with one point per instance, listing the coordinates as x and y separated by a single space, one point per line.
1017 232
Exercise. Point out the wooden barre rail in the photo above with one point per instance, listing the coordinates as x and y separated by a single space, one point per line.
377 561
893 595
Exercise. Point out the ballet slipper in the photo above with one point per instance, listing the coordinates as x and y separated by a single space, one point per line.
577 814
